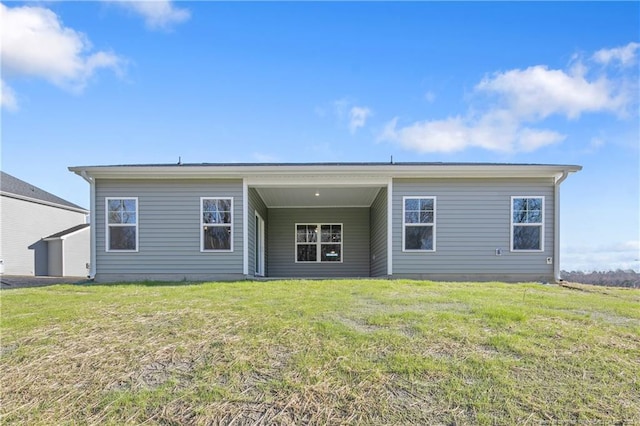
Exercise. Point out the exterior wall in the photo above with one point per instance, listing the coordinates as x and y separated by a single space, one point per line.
54 253
378 220
168 231
472 221
76 253
24 224
355 245
256 205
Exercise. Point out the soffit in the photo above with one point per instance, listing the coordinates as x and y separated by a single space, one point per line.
327 196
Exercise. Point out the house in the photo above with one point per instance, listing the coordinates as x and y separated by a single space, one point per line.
29 215
442 221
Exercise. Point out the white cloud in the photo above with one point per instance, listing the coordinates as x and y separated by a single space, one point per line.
537 92
455 134
7 97
157 14
517 99
358 117
626 55
35 43
623 255
346 110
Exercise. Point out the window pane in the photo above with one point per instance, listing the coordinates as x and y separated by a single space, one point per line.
331 233
122 211
129 205
418 238
216 211
534 203
527 210
307 252
336 233
412 204
426 204
306 233
411 217
224 205
217 237
426 217
325 233
519 204
527 237
122 238
331 253
535 216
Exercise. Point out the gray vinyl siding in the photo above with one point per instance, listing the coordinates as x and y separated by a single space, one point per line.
378 217
168 230
472 221
256 205
24 224
355 245
54 253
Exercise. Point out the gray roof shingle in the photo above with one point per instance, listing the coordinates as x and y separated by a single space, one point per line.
12 185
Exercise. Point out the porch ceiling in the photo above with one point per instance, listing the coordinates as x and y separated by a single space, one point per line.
328 196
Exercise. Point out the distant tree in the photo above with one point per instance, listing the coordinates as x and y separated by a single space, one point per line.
617 278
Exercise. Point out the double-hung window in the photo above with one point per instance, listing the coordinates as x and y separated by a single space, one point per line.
527 223
319 242
122 224
419 224
216 224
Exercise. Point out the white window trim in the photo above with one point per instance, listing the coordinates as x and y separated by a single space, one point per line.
318 243
541 224
404 223
108 225
202 225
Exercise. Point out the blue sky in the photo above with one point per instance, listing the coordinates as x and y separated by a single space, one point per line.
87 83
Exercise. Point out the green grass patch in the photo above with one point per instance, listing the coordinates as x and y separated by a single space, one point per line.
320 352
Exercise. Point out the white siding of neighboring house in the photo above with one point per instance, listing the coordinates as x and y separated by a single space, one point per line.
472 221
24 224
168 231
76 253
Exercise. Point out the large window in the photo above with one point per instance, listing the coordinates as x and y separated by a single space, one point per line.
527 223
122 224
419 222
216 224
319 242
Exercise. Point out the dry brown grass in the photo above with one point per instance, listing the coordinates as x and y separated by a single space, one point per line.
358 352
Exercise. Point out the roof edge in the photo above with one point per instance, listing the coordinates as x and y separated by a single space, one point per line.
240 170
43 202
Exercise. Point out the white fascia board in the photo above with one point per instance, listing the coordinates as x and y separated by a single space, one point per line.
64 237
373 173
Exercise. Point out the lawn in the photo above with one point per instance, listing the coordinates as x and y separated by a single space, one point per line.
320 352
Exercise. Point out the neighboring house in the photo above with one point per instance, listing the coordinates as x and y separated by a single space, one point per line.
28 215
404 220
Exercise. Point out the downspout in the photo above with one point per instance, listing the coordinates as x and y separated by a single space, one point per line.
245 228
556 225
92 228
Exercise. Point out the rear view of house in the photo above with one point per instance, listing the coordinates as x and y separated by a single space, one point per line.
441 221
41 234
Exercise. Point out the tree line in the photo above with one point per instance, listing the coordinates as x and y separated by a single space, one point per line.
618 278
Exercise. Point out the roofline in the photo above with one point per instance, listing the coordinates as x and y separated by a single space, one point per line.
43 202
64 236
396 170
